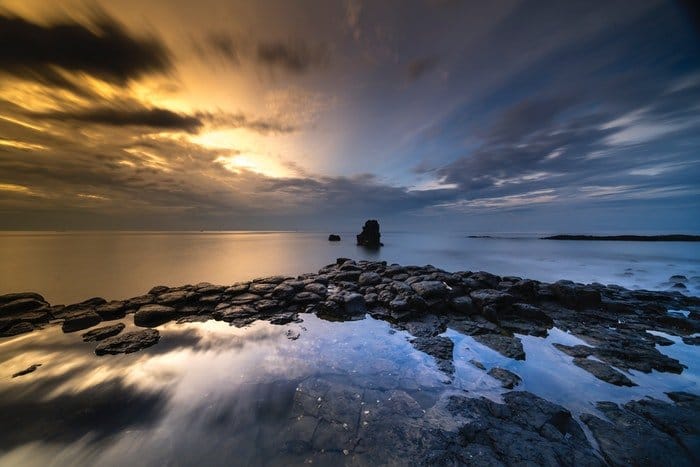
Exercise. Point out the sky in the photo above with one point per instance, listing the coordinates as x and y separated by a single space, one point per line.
464 116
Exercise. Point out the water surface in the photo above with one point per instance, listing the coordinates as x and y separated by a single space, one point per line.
212 394
71 266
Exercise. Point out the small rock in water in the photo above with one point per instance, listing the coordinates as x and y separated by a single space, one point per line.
507 378
292 334
103 333
603 372
510 347
28 370
334 238
128 342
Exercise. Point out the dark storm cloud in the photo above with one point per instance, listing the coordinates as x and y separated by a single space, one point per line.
160 118
420 67
106 50
114 116
292 56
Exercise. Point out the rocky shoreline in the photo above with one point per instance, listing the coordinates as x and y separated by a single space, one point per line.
425 302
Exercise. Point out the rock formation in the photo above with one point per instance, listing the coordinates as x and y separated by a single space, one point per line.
370 235
334 238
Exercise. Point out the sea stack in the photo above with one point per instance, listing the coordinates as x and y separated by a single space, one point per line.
370 235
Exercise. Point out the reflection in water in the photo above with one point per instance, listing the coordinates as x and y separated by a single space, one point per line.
70 267
211 394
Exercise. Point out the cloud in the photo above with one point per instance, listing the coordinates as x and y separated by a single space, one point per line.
353 15
137 115
219 45
104 50
421 66
239 120
120 117
509 201
292 56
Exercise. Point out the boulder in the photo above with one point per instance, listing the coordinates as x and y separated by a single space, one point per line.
174 297
153 315
369 278
430 289
334 238
463 305
21 305
111 310
370 236
11 297
79 320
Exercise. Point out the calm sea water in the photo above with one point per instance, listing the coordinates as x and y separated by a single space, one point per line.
73 266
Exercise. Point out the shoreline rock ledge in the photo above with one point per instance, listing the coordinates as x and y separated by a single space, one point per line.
496 311
370 236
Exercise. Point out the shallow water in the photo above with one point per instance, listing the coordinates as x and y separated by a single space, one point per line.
67 267
212 394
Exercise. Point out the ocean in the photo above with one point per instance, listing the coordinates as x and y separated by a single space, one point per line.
68 267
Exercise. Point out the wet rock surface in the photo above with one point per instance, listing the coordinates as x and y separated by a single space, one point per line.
336 422
507 378
524 430
603 372
128 342
102 333
649 431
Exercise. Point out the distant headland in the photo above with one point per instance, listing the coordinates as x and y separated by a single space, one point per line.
628 238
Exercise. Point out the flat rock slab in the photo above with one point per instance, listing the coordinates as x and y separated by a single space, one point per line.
17 329
507 378
102 333
603 372
25 302
438 347
525 430
128 342
510 347
649 431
